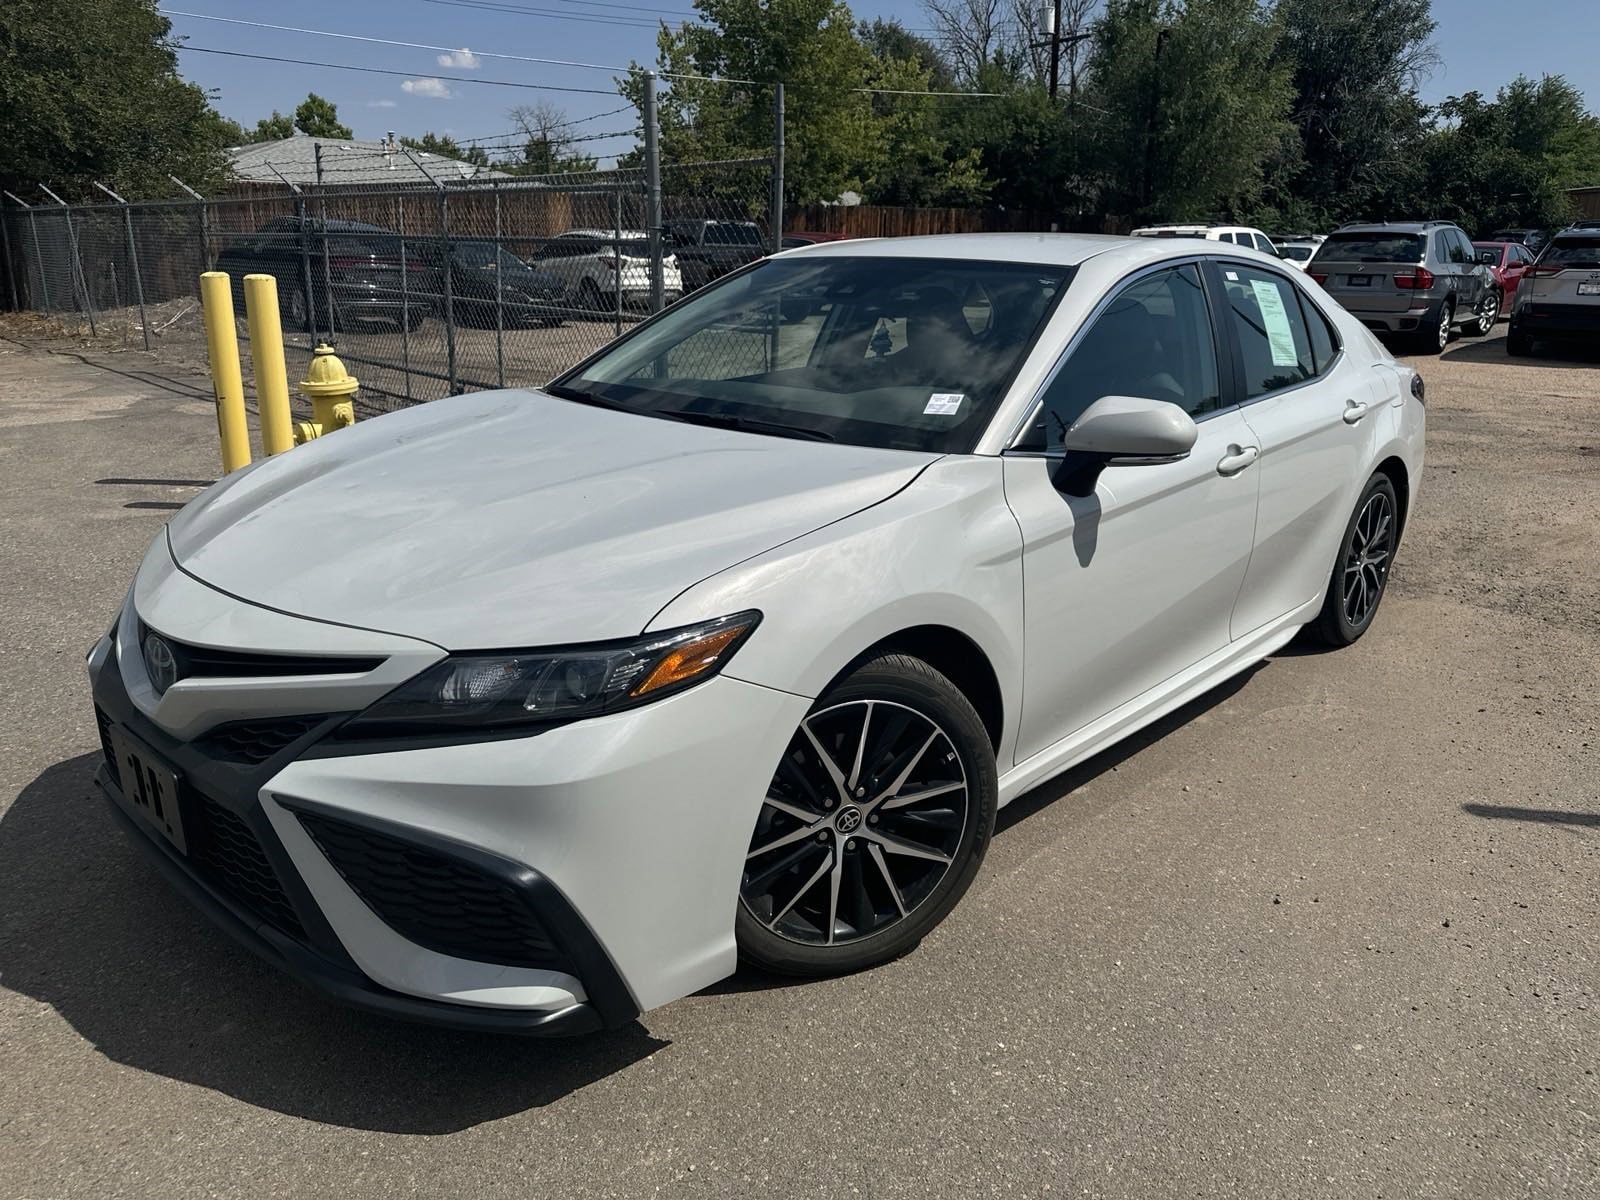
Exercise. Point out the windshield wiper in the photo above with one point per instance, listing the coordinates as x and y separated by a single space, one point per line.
744 424
562 392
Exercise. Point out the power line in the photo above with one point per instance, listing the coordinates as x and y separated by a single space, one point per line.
305 62
548 14
356 37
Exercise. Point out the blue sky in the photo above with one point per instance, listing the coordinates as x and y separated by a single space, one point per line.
1479 47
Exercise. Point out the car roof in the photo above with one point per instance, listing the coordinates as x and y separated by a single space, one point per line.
603 233
1054 249
1395 226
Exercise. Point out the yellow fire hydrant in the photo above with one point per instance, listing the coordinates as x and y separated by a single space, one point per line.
330 388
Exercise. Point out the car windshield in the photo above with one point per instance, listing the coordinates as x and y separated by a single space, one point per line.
1372 247
906 353
1572 252
1297 253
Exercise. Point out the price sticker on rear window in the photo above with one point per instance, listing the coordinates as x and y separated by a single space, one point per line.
1280 337
944 404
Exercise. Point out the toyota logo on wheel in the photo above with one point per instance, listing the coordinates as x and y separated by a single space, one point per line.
849 820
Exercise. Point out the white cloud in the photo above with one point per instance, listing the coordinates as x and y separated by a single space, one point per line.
380 103
434 89
462 59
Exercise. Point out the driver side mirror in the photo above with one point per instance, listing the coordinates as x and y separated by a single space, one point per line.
1122 431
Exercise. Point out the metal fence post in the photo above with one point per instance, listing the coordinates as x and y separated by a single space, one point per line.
652 168
38 254
405 294
133 261
448 259
616 213
776 216
305 266
205 232
499 302
78 277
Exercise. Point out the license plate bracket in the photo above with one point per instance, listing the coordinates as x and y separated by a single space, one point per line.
1358 280
149 790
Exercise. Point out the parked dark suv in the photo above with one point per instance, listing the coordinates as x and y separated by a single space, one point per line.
357 273
484 276
1418 279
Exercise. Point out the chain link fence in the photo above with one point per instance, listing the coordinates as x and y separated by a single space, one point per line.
426 290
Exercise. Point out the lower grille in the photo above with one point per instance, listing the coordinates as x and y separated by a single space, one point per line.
254 742
435 899
104 722
232 858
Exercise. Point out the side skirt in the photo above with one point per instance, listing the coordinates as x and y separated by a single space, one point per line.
1154 704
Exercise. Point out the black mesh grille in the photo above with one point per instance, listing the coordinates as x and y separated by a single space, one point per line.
436 900
254 742
205 660
104 722
232 858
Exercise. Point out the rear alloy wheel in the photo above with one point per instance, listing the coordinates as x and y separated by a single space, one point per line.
1362 572
1433 336
873 825
1488 314
299 312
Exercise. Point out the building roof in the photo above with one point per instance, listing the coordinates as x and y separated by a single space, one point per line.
348 161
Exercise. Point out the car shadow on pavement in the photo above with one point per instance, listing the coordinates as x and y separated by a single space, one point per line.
1539 816
1550 354
89 928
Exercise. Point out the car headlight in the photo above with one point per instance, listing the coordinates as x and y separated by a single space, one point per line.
535 687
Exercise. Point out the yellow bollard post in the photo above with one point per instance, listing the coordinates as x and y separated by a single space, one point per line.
332 392
266 352
222 340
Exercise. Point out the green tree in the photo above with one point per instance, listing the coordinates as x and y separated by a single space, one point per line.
447 147
272 129
811 46
889 40
90 91
1509 161
1027 145
319 118
1191 102
1354 70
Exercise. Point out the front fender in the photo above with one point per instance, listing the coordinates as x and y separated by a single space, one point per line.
945 551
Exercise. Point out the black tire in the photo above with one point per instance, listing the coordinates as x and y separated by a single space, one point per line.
1433 335
591 297
1484 324
1518 344
296 313
1340 623
880 914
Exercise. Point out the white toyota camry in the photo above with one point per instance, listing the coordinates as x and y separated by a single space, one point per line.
532 710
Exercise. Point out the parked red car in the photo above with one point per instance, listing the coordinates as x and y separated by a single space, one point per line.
1510 262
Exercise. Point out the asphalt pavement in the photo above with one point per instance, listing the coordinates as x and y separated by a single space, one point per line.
1331 931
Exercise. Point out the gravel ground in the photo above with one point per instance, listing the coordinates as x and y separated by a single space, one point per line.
1331 931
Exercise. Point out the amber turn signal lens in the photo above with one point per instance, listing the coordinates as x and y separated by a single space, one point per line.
690 660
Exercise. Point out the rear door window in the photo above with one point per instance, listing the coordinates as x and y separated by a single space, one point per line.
1274 341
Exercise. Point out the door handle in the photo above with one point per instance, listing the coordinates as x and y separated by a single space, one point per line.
1237 459
1354 410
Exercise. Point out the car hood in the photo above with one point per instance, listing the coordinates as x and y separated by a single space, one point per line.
512 518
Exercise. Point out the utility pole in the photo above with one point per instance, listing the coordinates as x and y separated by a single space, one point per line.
1052 17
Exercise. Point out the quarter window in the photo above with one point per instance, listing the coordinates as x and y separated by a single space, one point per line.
1153 341
1273 338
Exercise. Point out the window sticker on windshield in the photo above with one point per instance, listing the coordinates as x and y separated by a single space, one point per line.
944 404
1231 276
1280 338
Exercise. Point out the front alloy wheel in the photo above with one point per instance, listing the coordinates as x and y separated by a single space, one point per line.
1488 314
873 825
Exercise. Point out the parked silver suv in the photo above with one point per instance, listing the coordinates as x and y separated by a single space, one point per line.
1559 297
1415 278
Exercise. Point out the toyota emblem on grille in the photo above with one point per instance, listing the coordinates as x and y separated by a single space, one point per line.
160 662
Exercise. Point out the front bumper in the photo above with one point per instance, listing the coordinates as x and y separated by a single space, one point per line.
621 839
